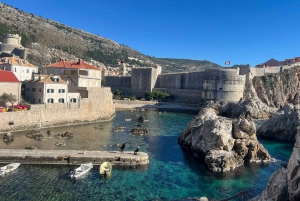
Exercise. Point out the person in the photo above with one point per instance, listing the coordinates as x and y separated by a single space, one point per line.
123 147
137 150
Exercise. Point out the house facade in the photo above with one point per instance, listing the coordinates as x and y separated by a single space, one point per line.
22 69
10 84
77 73
49 89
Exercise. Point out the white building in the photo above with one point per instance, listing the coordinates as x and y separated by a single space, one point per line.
22 69
49 89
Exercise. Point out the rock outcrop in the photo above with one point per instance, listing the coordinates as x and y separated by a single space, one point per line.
284 185
249 109
223 143
278 89
283 125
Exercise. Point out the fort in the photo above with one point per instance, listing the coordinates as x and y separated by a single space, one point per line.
190 87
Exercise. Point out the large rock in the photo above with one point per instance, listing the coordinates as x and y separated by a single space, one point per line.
223 143
283 125
285 183
249 109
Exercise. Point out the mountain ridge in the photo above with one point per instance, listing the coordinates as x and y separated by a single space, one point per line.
54 40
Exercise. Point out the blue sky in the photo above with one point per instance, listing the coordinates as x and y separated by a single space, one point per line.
242 31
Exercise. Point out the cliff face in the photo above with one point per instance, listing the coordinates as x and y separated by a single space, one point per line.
285 183
276 90
282 125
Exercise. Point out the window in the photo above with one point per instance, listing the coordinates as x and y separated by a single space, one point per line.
33 100
28 89
27 70
50 100
40 90
61 100
73 100
33 89
50 90
15 69
40 100
61 91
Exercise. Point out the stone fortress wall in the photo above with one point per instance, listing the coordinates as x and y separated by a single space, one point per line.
189 87
97 107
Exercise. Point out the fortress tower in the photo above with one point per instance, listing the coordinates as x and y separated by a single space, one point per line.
12 46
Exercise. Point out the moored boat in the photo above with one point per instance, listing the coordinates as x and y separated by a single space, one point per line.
105 169
83 169
8 168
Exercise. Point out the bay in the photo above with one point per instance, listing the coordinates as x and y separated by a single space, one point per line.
172 173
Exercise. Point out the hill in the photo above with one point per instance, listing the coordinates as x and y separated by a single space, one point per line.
48 40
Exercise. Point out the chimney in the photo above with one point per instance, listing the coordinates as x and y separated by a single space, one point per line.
61 59
79 61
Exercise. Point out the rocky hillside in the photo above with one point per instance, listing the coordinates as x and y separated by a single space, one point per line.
51 40
278 89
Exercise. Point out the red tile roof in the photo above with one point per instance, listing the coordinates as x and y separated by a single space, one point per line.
71 65
8 76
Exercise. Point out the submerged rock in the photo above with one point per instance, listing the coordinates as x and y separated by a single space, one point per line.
9 136
139 131
224 144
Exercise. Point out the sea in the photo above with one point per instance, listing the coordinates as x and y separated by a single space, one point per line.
172 173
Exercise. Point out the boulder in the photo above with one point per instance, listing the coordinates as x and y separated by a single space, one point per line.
282 125
223 143
9 136
141 119
67 134
139 131
31 148
221 160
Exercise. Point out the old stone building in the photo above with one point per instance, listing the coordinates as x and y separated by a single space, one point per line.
49 89
10 84
80 76
22 69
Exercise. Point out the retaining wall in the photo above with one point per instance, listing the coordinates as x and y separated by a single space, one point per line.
98 107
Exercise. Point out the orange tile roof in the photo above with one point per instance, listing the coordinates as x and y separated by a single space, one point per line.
71 65
8 76
16 61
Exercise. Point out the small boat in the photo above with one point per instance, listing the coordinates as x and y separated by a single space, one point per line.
127 119
105 169
9 168
83 169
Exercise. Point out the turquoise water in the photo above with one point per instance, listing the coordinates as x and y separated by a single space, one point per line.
172 174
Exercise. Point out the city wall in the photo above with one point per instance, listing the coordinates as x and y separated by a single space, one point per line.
98 107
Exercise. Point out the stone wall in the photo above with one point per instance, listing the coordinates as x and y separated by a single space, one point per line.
12 87
98 107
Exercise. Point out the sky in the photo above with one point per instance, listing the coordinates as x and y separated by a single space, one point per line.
239 31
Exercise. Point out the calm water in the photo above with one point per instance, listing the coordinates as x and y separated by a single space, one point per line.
172 174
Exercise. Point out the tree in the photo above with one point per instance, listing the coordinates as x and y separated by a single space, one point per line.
5 97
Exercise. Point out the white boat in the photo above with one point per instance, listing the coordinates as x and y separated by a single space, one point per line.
8 168
83 169
105 169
